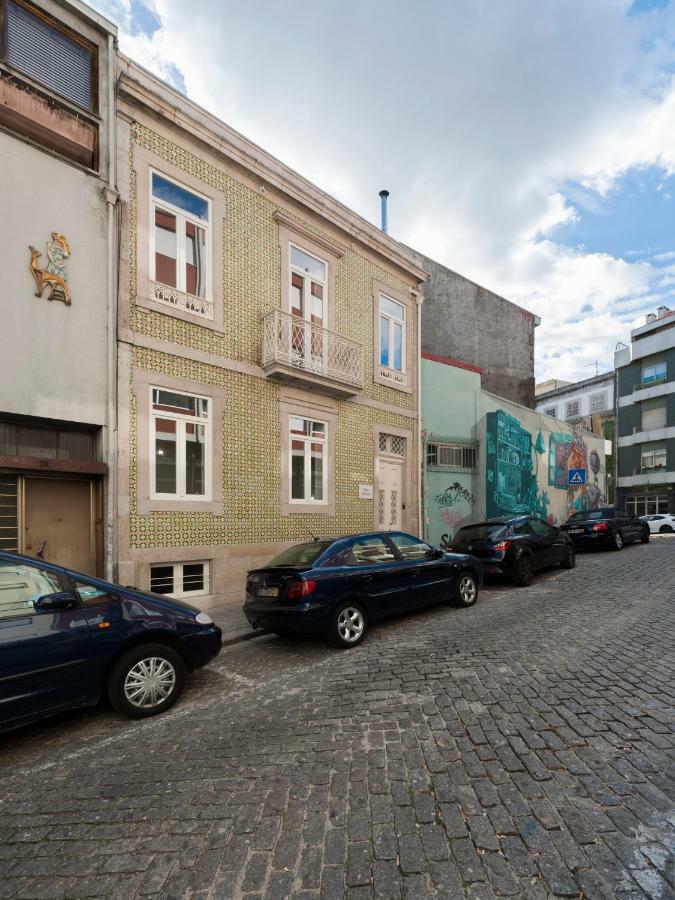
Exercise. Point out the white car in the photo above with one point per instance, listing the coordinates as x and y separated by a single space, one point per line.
663 523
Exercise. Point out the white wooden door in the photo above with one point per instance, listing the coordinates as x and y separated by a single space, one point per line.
389 495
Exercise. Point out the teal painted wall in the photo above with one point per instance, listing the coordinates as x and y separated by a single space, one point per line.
522 462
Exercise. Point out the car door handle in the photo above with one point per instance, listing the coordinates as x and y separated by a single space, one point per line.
414 573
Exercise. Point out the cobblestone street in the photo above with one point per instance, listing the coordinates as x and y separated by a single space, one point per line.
523 747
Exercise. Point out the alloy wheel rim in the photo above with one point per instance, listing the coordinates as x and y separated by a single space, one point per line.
149 682
350 624
467 590
618 540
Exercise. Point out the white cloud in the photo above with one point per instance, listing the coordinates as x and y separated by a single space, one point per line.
477 117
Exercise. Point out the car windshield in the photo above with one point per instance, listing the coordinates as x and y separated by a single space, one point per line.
592 514
300 555
484 532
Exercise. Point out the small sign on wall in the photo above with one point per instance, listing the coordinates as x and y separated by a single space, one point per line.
365 492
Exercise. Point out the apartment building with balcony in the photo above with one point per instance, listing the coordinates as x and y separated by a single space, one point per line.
645 379
268 355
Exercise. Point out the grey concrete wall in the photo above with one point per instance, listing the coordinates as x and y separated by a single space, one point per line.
464 321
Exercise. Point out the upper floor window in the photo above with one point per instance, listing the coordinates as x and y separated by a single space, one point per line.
392 334
308 463
654 372
653 458
551 411
180 238
180 437
572 408
308 286
44 51
599 401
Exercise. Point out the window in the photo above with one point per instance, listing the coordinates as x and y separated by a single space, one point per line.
180 436
571 408
599 401
369 551
654 372
411 548
90 595
551 411
523 527
299 555
308 473
45 53
21 585
654 458
454 456
392 334
653 415
180 243
542 528
640 505
391 443
308 296
187 579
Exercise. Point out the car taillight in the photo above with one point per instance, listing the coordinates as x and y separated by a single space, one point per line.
298 589
249 588
601 526
502 546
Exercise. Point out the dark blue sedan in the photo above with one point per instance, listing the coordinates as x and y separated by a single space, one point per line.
67 638
337 587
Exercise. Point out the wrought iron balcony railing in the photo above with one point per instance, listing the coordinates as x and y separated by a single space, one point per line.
295 349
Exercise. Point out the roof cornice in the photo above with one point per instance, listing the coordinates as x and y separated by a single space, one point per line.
143 89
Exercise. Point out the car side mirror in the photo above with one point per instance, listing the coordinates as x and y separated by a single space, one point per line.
436 553
55 602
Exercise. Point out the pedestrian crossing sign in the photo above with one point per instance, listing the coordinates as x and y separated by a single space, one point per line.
576 476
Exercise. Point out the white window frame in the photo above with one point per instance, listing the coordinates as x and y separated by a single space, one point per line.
602 404
178 578
307 277
308 440
569 412
181 218
465 452
181 421
404 327
645 369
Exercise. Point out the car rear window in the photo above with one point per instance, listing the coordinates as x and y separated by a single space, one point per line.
471 533
300 555
592 514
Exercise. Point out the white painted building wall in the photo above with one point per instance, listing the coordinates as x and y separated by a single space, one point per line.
558 406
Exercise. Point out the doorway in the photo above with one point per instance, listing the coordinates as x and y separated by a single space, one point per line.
51 518
390 495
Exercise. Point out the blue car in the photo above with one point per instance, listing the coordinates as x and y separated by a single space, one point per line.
338 587
66 639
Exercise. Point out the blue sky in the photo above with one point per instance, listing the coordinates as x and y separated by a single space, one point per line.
528 145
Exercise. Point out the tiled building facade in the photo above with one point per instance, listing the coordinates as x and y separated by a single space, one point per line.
268 355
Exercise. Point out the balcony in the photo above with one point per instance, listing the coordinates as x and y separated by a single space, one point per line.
162 293
298 352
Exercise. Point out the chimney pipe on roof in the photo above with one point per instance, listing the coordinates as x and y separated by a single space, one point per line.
383 210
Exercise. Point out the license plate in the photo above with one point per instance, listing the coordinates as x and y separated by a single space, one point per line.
576 530
268 592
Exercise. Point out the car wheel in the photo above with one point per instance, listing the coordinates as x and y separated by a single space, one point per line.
666 529
617 541
466 589
348 626
645 536
523 571
146 680
569 560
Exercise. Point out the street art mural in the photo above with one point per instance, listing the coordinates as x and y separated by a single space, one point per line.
517 482
450 503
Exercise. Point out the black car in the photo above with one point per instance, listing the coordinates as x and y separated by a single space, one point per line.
606 527
66 639
338 587
516 547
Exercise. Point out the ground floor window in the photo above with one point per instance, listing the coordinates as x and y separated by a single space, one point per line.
308 460
646 504
187 579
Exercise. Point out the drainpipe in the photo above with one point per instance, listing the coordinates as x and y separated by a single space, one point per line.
420 446
110 432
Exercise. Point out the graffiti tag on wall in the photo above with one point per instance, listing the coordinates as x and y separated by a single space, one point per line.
453 494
